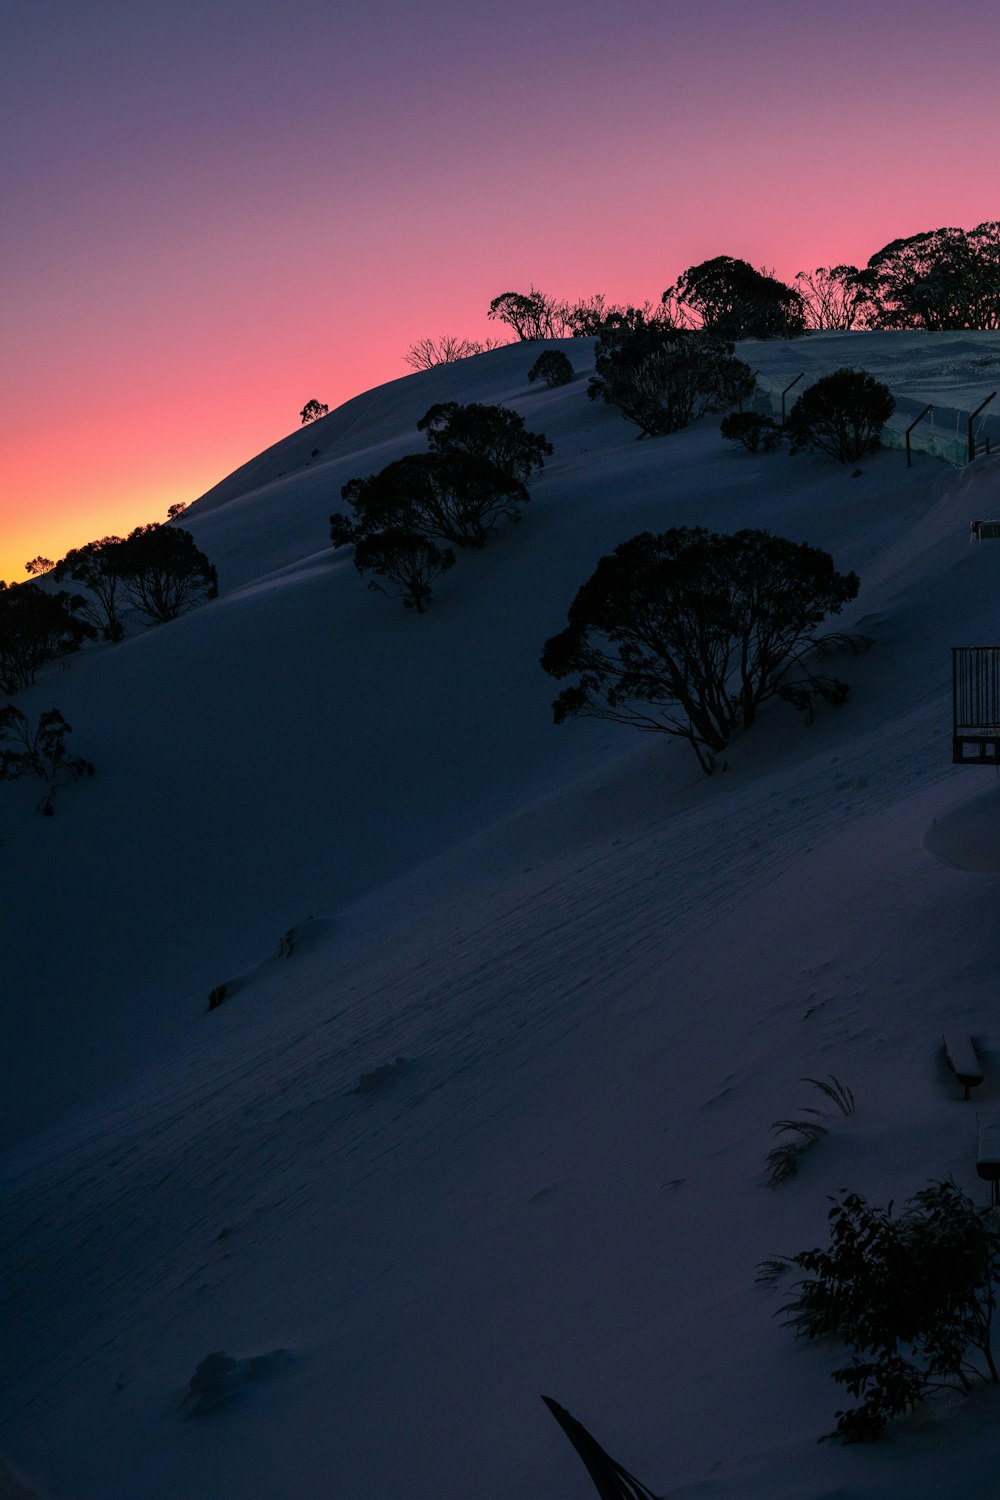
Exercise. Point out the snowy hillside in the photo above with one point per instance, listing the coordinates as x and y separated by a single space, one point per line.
493 1121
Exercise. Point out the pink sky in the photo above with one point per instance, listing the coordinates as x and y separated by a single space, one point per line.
216 211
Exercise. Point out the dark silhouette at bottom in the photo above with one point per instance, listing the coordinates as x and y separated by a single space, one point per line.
610 1479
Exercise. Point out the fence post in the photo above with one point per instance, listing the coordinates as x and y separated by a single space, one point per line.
909 460
972 417
800 376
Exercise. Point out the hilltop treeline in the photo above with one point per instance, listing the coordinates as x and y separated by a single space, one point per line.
940 279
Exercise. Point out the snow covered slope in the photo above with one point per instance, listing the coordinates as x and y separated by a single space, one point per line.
493 1120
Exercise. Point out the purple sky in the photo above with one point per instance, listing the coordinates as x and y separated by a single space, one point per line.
213 212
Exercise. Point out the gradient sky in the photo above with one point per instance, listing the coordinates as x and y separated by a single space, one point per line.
215 210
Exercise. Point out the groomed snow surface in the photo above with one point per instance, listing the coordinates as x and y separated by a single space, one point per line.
493 1122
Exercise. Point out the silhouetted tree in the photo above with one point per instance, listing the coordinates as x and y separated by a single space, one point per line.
662 378
834 298
842 414
941 279
178 509
38 749
312 410
494 433
687 632
531 315
404 564
162 572
452 496
96 566
36 626
39 565
729 298
552 368
445 350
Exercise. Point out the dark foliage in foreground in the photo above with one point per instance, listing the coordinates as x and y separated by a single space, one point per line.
687 633
912 1297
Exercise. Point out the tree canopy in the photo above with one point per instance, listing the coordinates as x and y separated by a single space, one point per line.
687 632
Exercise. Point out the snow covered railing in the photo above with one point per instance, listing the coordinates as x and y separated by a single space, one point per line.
975 701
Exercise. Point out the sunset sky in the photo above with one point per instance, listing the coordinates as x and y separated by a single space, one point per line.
214 211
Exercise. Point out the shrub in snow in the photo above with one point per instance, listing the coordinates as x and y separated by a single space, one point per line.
493 433
551 367
404 564
912 1297
728 297
470 480
36 626
687 632
39 749
843 415
783 1160
312 410
218 1378
756 432
663 378
451 497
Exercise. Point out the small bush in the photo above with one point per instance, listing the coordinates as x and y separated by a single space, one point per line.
28 749
404 564
552 367
757 433
783 1160
662 378
843 415
911 1297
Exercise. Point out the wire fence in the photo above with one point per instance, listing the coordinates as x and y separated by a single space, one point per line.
943 433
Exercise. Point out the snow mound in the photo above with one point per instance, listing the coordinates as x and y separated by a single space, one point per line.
967 837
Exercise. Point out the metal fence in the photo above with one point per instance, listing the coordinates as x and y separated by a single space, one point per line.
975 697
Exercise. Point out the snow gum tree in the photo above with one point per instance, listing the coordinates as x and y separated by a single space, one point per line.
162 571
662 378
39 749
730 298
94 566
687 632
451 497
36 626
403 564
494 433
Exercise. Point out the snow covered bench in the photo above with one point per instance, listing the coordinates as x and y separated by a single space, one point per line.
988 1159
960 1055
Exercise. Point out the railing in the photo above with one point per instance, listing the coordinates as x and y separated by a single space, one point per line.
975 697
